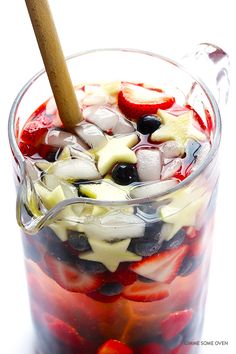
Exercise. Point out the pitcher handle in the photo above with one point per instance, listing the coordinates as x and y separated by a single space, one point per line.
211 64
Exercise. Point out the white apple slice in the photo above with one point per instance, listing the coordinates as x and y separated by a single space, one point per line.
75 169
116 226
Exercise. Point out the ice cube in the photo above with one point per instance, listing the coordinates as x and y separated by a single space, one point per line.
149 164
91 134
60 138
151 189
123 126
170 149
171 168
115 226
105 118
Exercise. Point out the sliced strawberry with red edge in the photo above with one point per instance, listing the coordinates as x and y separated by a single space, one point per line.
209 121
122 275
162 267
114 347
197 118
181 349
63 331
135 101
145 292
71 278
175 322
151 348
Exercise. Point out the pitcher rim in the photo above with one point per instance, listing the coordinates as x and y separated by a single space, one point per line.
210 156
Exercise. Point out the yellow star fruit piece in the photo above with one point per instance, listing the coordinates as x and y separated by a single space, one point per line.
179 128
110 254
116 150
183 210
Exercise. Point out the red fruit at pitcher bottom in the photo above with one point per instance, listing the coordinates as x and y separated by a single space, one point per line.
162 267
71 278
145 292
135 101
151 348
114 347
122 275
63 331
175 322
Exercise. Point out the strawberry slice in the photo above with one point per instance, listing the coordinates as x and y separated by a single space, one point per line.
63 331
209 120
136 101
197 118
162 267
114 347
175 322
145 292
151 348
122 275
71 278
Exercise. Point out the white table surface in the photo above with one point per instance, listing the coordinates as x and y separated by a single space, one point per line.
170 28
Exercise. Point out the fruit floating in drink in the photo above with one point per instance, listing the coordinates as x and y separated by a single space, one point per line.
122 268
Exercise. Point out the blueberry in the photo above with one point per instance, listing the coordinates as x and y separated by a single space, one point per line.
60 251
153 229
174 342
91 267
78 241
175 241
124 173
188 265
145 280
148 124
111 289
146 248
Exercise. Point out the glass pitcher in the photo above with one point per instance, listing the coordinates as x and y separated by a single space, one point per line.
84 306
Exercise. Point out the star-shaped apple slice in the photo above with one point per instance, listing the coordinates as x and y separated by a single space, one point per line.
179 128
116 150
183 210
110 254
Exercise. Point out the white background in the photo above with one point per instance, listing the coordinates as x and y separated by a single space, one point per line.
168 27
